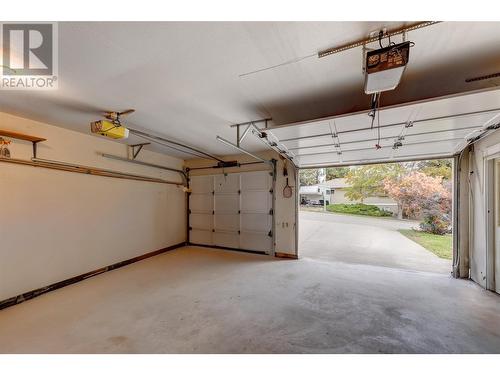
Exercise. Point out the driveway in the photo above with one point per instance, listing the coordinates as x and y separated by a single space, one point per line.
364 240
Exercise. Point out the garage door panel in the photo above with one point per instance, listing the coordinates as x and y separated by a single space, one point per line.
229 183
201 221
227 239
315 150
256 241
319 159
436 125
256 222
201 237
256 201
301 131
227 203
237 213
227 222
308 142
255 181
201 203
202 184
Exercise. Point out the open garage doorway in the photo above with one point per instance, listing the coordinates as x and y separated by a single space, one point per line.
396 215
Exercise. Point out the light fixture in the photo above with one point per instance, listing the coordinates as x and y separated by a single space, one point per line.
385 67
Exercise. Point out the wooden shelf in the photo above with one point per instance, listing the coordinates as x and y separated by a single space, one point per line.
24 137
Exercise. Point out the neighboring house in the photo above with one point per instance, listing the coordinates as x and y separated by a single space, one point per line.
314 194
335 191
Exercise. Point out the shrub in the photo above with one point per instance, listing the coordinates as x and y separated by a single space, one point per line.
358 209
435 221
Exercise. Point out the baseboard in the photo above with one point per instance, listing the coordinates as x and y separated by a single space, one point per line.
38 292
285 255
229 248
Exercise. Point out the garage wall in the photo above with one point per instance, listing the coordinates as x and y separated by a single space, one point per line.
478 209
55 225
284 207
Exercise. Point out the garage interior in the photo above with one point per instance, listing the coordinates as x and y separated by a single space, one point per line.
183 237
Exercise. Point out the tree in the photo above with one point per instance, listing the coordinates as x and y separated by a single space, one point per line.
368 180
308 177
418 193
436 168
337 172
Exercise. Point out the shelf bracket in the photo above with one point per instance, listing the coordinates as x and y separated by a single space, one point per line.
137 148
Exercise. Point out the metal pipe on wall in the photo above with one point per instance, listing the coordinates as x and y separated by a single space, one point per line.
219 167
68 167
180 171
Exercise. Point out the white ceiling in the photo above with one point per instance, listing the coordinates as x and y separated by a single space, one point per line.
184 78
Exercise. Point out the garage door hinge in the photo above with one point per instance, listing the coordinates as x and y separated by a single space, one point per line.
190 228
271 191
270 234
213 212
239 211
239 232
239 192
271 212
189 212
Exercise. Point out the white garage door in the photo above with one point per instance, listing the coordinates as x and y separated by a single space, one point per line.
430 129
232 211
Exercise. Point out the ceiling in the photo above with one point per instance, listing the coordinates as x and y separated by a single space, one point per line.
188 81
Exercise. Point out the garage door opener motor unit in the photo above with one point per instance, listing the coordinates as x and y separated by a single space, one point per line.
384 67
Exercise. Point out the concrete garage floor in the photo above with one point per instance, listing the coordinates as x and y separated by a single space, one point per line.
198 300
365 240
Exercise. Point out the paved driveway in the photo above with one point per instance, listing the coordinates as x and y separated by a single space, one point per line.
364 240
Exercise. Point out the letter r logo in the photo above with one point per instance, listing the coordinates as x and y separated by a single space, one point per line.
27 49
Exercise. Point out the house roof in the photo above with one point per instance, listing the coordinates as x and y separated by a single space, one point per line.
337 183
309 189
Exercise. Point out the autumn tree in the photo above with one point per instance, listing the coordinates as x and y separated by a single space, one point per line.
308 177
417 192
436 168
337 172
368 180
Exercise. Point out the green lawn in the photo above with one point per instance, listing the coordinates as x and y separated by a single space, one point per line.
358 209
439 245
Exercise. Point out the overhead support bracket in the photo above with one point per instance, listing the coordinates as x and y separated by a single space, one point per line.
261 134
230 144
253 122
137 148
175 145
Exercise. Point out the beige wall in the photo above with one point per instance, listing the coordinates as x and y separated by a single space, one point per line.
285 207
55 224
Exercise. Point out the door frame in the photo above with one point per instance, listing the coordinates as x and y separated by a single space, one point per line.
490 214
